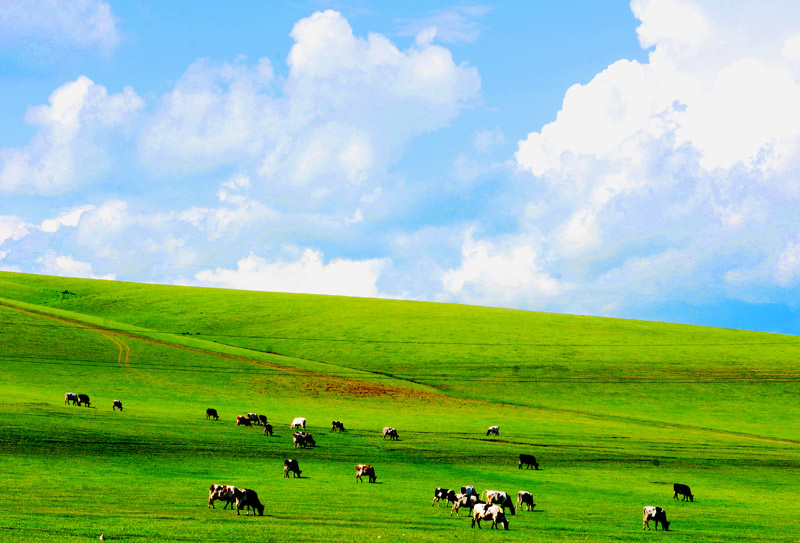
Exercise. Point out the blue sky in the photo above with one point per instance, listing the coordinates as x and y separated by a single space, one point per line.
635 160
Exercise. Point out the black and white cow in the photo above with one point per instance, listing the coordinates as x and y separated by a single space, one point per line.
246 498
529 460
71 398
299 422
365 469
465 500
683 490
303 439
500 498
391 432
337 425
211 414
445 494
223 493
650 512
116 404
268 429
253 417
291 465
84 399
489 512
243 421
493 430
525 498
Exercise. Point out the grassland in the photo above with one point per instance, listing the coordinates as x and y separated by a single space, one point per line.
615 411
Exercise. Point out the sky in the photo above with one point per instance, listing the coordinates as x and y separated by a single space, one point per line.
624 159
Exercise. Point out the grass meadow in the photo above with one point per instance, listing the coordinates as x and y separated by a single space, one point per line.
615 411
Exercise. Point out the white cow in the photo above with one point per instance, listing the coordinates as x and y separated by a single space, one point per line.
299 422
493 430
486 512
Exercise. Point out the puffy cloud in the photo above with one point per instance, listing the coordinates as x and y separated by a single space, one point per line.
307 274
70 217
12 228
65 265
66 150
81 23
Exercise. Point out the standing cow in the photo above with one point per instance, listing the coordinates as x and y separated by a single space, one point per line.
485 511
683 490
465 500
84 399
650 512
525 498
268 429
529 460
337 425
299 422
246 498
500 498
211 414
243 421
116 404
443 493
221 493
493 430
291 465
391 432
70 398
303 439
365 469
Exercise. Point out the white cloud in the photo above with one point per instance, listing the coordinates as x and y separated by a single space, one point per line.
66 150
12 228
453 25
70 217
787 267
83 23
66 266
308 274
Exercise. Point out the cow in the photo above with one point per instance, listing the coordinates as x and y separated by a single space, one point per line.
525 498
337 425
299 422
243 421
391 432
290 464
499 497
468 491
493 430
443 493
465 500
303 439
268 429
365 469
253 417
485 512
246 498
650 512
116 404
529 460
262 420
211 414
683 490
223 493
70 398
84 399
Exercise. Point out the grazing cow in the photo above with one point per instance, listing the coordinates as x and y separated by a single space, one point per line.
465 500
303 439
468 491
223 493
243 421
211 414
84 399
337 425
268 429
443 493
246 498
683 490
70 398
253 417
299 422
116 405
529 460
525 498
291 465
493 430
365 469
486 511
391 432
499 497
656 514
262 420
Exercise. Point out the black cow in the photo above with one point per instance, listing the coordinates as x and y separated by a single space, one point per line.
303 439
243 421
337 425
268 429
290 464
262 420
246 498
657 514
683 490
83 399
211 414
529 460
443 493
116 405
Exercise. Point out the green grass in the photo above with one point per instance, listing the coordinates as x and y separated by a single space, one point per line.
615 411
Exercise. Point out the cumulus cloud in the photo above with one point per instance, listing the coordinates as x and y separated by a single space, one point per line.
70 217
307 274
12 228
66 266
83 23
68 147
